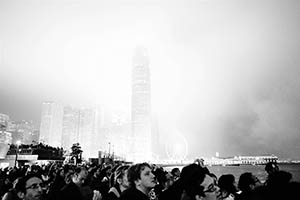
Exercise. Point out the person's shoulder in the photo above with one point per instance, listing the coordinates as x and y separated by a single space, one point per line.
111 196
114 191
174 192
230 197
133 194
69 185
129 191
70 188
9 195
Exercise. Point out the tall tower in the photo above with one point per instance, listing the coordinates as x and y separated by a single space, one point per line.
141 107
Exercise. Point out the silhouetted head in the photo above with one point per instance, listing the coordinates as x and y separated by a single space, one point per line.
227 182
248 182
271 167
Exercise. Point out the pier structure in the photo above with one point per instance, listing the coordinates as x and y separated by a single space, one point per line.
241 160
226 161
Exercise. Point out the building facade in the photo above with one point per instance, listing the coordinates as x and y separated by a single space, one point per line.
87 131
51 124
22 131
63 126
5 136
70 128
4 119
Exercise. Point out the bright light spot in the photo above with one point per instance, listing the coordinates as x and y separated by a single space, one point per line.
18 143
176 147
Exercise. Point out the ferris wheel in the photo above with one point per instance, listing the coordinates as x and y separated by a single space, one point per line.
176 147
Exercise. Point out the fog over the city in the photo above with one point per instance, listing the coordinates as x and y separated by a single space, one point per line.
224 74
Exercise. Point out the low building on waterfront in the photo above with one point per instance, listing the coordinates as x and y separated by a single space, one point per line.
241 160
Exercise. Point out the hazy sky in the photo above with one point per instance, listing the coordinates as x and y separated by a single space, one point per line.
224 73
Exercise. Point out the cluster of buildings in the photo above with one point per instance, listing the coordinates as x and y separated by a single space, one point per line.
11 132
98 130
94 128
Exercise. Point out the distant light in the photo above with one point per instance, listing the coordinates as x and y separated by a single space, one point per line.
18 143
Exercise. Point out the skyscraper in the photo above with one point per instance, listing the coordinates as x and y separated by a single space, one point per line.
51 124
5 136
141 107
87 131
24 129
63 126
70 129
4 119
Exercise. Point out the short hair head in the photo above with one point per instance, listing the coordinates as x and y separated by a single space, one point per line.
271 167
120 172
226 182
191 178
21 184
134 172
246 180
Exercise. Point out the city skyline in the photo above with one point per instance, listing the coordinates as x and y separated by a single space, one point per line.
224 74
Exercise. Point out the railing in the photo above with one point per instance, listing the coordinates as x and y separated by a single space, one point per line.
21 151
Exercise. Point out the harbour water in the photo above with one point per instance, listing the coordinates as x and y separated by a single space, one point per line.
257 170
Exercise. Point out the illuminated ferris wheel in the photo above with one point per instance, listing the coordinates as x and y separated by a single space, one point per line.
176 147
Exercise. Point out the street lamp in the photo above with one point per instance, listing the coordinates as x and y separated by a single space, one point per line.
18 143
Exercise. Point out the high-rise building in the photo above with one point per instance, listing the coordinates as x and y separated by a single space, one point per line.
83 126
12 127
119 133
4 119
22 131
70 132
35 136
87 131
25 131
63 126
102 130
141 107
51 124
5 136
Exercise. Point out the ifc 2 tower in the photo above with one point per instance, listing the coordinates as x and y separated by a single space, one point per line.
141 107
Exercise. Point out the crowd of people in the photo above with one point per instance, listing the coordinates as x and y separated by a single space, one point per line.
141 181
